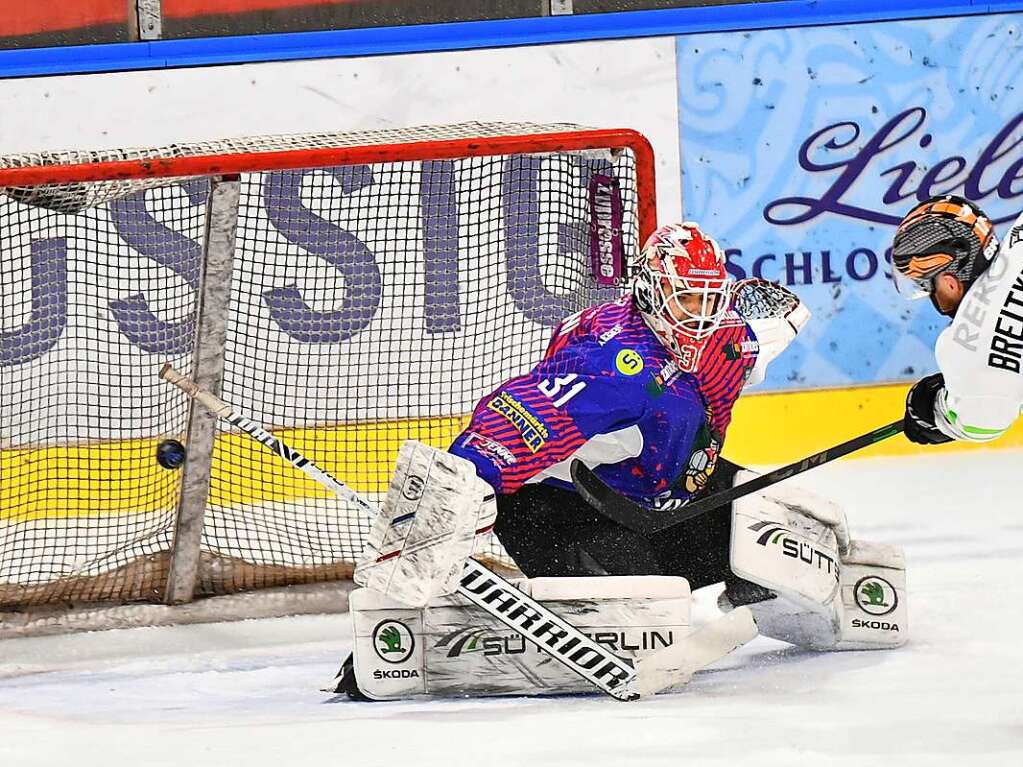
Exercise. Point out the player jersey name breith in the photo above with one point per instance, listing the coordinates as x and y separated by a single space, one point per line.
1007 341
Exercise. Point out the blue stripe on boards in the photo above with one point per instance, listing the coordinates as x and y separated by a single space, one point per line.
163 54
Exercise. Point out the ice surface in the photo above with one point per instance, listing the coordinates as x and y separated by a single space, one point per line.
248 693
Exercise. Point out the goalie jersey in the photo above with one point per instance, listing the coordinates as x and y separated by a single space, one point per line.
608 393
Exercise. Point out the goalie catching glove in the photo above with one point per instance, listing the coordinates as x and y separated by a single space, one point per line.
775 314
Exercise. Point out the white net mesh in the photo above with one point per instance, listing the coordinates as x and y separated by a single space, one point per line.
370 302
75 197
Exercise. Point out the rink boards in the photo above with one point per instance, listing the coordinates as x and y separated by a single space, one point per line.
767 429
835 261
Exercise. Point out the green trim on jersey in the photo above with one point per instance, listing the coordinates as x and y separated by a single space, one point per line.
976 431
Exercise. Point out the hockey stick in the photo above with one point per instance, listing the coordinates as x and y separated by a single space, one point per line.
592 661
645 521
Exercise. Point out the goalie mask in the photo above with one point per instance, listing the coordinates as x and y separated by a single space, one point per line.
946 234
682 289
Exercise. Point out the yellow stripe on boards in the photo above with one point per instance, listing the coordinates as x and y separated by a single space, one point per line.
98 479
779 428
115 478
360 456
112 478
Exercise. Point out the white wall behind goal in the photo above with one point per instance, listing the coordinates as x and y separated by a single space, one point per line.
628 83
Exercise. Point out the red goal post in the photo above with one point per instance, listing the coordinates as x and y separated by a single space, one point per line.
349 290
348 150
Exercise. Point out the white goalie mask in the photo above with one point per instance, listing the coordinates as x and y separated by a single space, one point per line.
682 289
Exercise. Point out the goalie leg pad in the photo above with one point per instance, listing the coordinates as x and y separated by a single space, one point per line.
776 546
803 503
824 586
388 646
875 612
453 648
674 666
427 526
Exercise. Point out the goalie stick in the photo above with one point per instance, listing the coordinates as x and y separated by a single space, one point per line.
646 521
621 678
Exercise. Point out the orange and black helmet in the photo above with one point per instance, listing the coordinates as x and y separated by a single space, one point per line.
945 234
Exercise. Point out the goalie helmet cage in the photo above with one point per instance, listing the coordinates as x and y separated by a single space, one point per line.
347 291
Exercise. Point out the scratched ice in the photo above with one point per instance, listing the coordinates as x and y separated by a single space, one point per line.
248 693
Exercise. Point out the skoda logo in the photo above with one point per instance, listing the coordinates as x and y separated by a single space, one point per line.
875 596
393 641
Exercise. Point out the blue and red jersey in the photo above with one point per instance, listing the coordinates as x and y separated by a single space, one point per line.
608 392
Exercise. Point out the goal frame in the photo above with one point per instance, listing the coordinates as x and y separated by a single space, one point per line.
444 149
218 241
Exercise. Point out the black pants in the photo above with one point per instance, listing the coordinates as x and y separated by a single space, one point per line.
554 532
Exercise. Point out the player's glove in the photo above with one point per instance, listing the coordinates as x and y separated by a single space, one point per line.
918 423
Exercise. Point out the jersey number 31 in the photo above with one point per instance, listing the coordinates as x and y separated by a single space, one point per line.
553 387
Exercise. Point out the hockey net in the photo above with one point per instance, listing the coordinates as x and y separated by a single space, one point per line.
379 284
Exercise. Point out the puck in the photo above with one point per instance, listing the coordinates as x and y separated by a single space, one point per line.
170 454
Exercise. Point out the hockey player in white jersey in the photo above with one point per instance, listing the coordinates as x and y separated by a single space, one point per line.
946 249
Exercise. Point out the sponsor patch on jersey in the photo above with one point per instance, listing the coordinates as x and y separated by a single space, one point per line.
607 335
534 433
629 362
662 379
704 458
495 451
741 351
